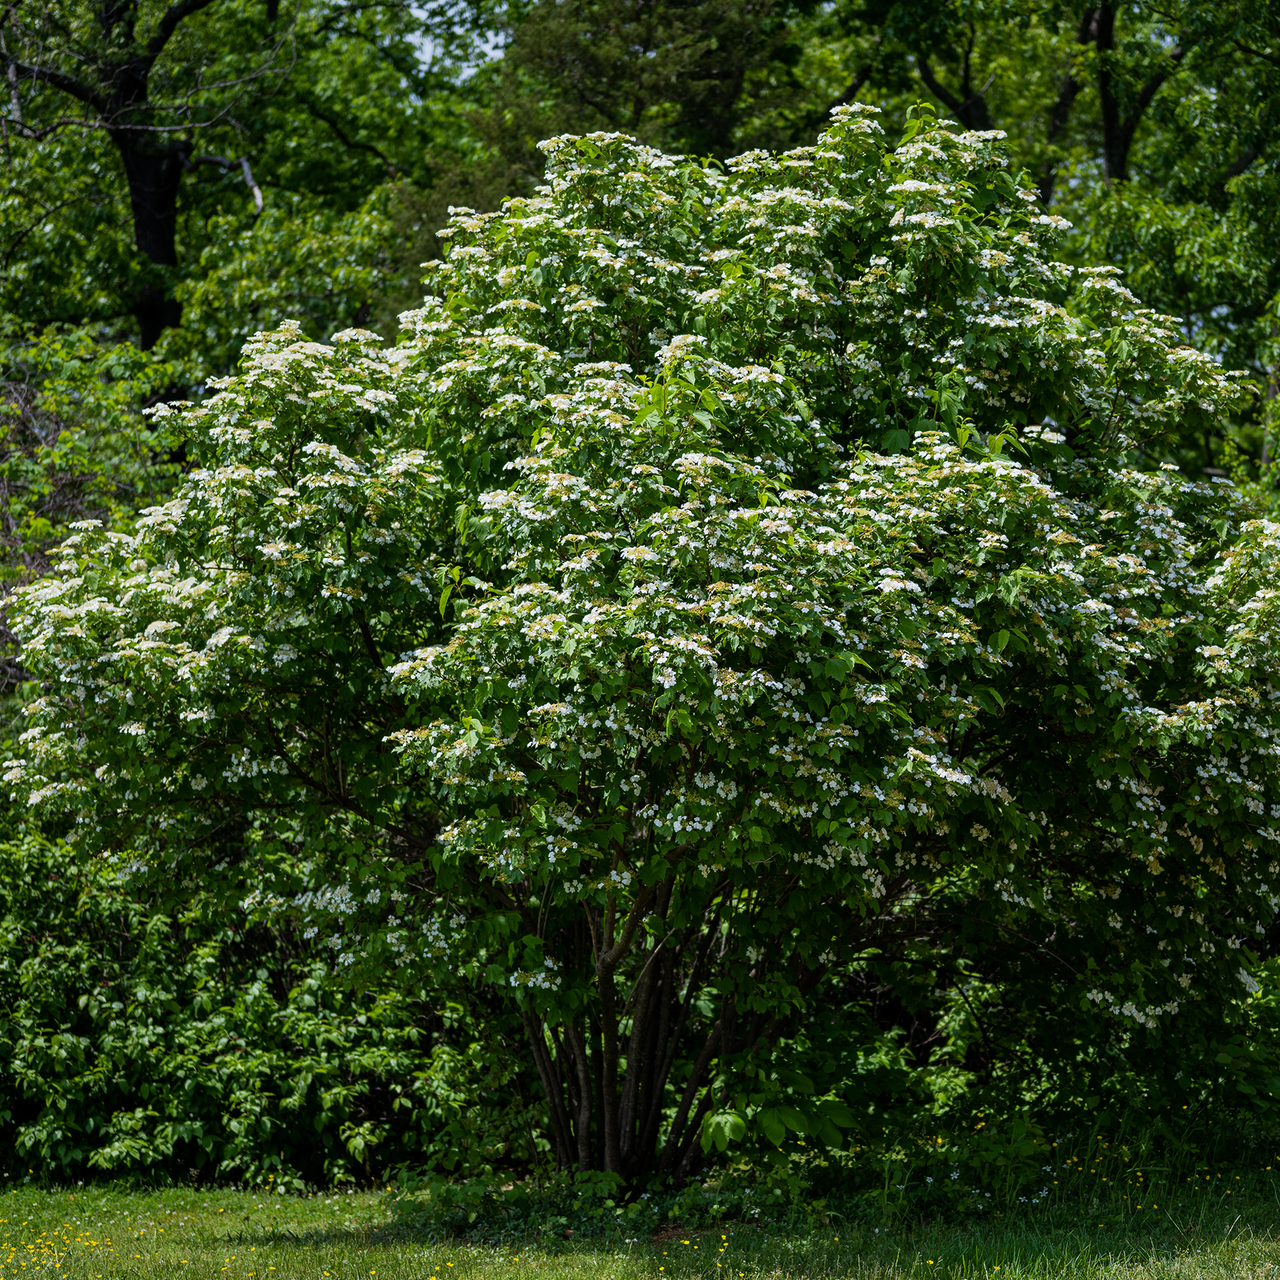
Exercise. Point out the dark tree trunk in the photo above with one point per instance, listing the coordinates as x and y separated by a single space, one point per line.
1119 125
116 93
643 1058
1115 145
1061 112
153 171
969 107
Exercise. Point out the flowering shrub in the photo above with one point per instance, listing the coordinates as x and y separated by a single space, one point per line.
732 579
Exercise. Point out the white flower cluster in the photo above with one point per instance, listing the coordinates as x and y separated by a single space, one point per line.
671 560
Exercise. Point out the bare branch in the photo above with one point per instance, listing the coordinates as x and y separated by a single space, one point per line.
615 953
173 15
112 111
1242 162
972 112
550 1086
68 84
671 1149
15 102
938 89
854 88
1272 58
355 145
1153 84
249 182
46 211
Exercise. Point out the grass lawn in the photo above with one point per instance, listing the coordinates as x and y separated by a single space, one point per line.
91 1233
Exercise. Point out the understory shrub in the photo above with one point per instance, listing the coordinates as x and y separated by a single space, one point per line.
202 1044
198 1044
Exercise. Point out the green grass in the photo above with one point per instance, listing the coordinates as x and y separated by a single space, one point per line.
88 1233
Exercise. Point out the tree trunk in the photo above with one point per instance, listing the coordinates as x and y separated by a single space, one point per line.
1119 125
153 171
1061 111
631 1078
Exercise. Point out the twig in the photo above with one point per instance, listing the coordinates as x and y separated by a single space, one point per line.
224 163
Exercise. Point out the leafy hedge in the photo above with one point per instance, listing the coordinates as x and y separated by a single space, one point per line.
136 1042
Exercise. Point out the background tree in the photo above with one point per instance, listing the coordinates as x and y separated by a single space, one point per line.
670 72
1152 128
110 62
314 101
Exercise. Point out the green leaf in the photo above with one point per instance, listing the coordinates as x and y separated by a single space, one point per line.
794 1119
837 1113
771 1121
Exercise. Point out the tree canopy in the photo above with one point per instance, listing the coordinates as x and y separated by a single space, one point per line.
144 141
1152 129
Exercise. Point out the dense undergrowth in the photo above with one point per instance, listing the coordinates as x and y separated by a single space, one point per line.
200 1047
192 1043
1116 1179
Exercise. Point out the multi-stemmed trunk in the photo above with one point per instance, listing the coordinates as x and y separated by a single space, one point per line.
610 1073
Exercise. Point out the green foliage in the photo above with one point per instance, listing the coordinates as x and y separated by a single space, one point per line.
68 256
1152 128
142 139
735 584
716 315
137 1043
674 74
305 264
74 445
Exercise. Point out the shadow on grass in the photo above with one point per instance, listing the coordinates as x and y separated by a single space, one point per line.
1184 1240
